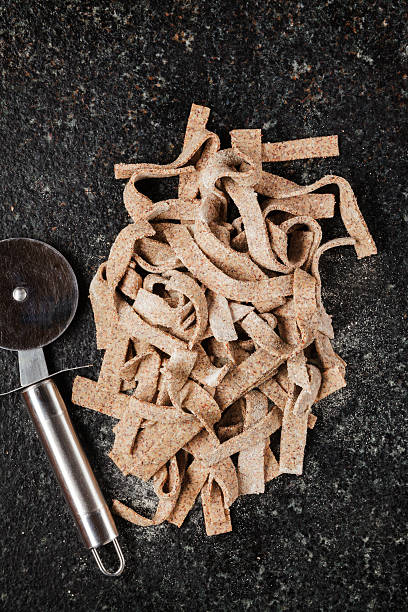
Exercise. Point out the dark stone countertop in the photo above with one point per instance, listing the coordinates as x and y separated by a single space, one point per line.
88 84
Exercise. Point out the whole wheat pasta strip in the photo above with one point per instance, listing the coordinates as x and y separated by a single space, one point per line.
158 414
200 266
104 308
294 425
246 376
193 482
126 171
195 137
304 300
220 318
122 251
251 461
234 264
303 148
216 516
316 259
264 336
114 358
315 205
197 121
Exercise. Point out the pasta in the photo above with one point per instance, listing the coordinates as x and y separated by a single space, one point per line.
214 330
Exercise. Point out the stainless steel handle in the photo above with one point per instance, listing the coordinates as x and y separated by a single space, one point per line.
71 467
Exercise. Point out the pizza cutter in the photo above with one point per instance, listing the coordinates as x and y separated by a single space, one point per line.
38 300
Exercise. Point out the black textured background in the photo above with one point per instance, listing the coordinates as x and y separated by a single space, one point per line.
88 84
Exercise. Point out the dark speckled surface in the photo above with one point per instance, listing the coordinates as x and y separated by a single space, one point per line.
84 85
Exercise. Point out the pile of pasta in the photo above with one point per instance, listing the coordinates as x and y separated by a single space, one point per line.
214 331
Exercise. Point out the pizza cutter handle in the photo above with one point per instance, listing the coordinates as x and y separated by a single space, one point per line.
72 469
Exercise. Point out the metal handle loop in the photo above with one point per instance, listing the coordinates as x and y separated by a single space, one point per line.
120 557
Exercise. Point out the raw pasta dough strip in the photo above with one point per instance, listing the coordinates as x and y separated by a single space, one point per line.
294 425
303 148
251 461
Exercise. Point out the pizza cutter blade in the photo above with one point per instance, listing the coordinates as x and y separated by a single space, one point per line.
38 300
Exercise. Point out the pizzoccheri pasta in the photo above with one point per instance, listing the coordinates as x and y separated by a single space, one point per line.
214 330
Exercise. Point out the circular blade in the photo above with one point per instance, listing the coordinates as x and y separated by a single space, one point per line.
38 294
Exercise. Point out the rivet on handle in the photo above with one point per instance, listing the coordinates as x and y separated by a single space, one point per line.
120 557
